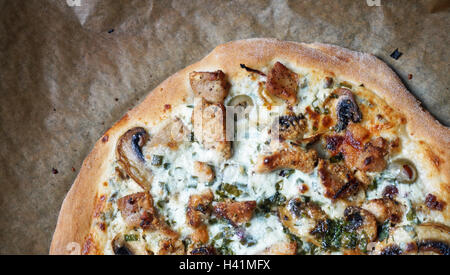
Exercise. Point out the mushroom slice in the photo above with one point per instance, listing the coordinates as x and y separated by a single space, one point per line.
283 83
121 246
289 127
203 172
235 212
301 218
384 209
360 221
203 250
209 127
285 248
337 180
428 238
137 210
295 158
346 109
212 86
130 156
433 238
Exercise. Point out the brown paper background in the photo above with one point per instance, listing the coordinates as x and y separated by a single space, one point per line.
64 79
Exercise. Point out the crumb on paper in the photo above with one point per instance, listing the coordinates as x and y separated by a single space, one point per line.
396 54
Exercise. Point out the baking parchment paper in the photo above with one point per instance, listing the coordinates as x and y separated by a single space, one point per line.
70 69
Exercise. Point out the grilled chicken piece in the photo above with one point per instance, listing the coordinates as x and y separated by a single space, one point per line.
198 211
199 208
295 158
289 127
235 212
337 179
280 249
137 210
358 151
171 135
384 209
171 246
370 158
361 221
208 120
301 217
212 86
203 171
283 83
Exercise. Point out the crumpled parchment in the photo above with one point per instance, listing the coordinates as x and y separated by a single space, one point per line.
70 69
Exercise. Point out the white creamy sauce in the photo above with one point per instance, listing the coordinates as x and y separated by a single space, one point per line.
173 183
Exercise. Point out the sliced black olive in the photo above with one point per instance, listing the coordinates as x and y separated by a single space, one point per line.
122 250
404 171
347 110
131 158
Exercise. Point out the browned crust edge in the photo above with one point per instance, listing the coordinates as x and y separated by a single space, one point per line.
75 216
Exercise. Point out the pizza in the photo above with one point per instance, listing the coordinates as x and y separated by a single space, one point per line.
266 147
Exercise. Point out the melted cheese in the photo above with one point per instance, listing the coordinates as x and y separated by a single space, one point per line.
173 183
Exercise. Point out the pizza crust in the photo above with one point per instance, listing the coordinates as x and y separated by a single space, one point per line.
77 209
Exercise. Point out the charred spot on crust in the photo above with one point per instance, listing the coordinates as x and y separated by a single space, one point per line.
434 246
